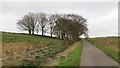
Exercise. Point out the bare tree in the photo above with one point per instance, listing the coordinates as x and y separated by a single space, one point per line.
37 29
52 24
42 20
80 22
65 26
71 26
28 23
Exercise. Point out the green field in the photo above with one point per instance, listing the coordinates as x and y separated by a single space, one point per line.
26 50
108 45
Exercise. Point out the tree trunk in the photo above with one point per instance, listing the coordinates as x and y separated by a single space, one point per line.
33 32
51 32
62 36
59 34
42 31
29 31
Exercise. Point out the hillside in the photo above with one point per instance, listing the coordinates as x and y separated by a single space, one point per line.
23 49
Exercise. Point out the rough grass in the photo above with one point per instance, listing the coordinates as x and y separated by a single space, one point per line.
14 37
29 50
108 45
73 59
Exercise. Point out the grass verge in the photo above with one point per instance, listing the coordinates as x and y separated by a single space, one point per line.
108 46
73 59
110 52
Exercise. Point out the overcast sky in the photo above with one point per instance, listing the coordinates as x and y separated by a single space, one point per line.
102 17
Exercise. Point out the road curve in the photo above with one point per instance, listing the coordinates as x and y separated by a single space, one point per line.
92 56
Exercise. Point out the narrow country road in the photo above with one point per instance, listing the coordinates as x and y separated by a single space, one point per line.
92 56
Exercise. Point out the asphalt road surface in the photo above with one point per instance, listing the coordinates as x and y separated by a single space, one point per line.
92 56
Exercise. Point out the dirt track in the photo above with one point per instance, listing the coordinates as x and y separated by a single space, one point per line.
92 56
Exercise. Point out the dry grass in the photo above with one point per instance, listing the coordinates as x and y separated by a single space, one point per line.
14 54
29 50
108 42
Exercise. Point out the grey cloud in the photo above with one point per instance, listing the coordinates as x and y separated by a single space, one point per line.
89 10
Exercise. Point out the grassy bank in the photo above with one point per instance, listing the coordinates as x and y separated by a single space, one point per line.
73 59
29 50
108 45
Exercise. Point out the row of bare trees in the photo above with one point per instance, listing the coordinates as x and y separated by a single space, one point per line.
64 26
